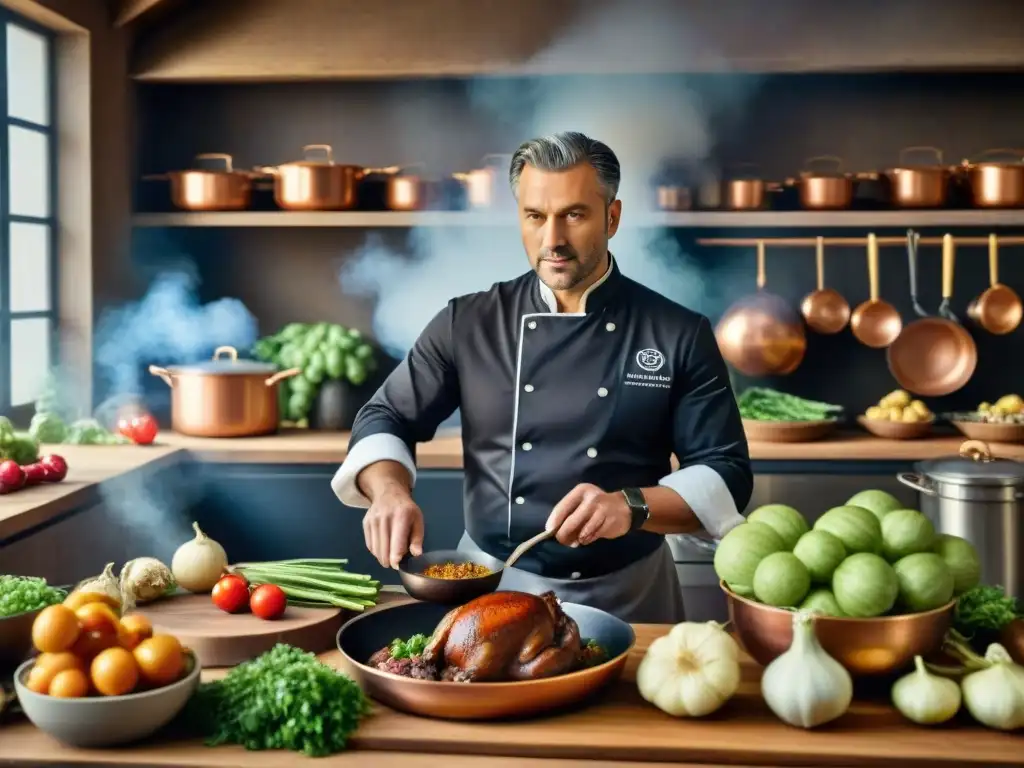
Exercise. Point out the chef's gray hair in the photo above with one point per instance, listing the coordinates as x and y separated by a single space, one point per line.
564 150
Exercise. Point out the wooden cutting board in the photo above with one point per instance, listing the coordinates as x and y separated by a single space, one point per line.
224 639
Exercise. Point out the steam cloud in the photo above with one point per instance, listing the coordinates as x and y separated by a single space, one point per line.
646 121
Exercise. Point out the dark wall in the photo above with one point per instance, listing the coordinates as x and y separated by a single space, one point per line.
292 273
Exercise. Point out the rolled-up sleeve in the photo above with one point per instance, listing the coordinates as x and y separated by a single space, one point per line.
419 394
714 475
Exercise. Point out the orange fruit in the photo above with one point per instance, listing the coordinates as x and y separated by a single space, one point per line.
114 672
55 629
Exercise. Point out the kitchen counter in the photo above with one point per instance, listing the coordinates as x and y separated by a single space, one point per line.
617 727
91 466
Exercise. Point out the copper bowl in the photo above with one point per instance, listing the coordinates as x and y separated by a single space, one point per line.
990 432
896 430
448 591
866 647
788 431
364 635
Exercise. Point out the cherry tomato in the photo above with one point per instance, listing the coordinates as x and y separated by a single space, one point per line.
56 469
140 429
268 601
231 594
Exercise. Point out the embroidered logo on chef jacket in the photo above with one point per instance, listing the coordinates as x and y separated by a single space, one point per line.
649 362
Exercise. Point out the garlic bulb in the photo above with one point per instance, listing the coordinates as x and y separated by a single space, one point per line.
924 698
995 696
805 686
106 584
147 579
690 672
199 563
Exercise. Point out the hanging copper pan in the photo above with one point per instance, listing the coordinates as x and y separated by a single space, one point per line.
934 356
998 310
761 335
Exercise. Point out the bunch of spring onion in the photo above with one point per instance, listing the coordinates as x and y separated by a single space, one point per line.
314 582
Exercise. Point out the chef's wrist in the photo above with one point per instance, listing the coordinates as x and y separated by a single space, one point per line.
637 510
383 477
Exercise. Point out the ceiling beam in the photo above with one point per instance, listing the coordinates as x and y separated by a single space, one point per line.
130 10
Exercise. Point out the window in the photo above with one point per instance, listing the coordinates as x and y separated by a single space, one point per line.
28 219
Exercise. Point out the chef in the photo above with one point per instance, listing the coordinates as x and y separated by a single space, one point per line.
576 385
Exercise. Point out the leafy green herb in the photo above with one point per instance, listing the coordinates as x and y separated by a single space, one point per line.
283 699
21 594
984 609
764 404
406 649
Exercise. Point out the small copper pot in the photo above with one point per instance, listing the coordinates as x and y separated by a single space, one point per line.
825 190
483 185
744 194
403 191
920 186
208 189
997 184
225 396
672 197
315 185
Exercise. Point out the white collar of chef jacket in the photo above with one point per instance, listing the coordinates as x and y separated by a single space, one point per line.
552 303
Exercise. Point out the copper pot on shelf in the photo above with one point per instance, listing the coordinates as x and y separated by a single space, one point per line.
483 185
996 184
746 192
315 185
210 189
393 188
920 186
673 197
761 335
824 190
224 396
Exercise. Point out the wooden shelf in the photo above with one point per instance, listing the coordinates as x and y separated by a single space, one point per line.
688 219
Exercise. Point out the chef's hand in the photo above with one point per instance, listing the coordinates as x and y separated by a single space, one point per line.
588 513
393 526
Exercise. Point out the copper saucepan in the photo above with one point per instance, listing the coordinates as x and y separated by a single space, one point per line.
483 185
315 185
920 186
762 335
875 323
998 310
825 190
745 192
825 309
997 184
403 190
210 189
934 356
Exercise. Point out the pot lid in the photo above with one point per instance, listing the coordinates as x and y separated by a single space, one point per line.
225 361
974 466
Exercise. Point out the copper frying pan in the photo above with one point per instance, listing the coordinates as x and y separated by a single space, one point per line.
934 356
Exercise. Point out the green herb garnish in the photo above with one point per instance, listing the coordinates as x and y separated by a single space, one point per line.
984 609
764 404
283 699
407 649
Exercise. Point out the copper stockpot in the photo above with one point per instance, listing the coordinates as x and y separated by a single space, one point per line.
744 194
995 184
920 186
762 335
225 396
315 185
824 190
866 647
207 189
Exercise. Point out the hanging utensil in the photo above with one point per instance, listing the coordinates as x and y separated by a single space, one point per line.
934 356
945 310
998 310
875 323
761 335
913 240
825 309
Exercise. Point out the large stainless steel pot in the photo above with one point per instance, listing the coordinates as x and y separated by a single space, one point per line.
978 498
225 396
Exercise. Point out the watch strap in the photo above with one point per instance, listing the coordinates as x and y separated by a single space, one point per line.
637 506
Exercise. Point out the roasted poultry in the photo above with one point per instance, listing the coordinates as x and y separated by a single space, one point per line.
505 636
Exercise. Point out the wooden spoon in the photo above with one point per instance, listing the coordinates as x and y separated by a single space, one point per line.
825 309
998 310
875 323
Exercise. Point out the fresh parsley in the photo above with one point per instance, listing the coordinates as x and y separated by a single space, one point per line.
407 649
984 609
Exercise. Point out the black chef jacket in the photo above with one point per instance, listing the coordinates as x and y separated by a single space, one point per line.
550 400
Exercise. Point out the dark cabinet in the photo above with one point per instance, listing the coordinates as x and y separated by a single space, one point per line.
275 512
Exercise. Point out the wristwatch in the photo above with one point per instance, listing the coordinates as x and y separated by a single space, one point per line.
637 506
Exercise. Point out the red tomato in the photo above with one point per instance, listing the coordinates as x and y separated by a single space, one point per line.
140 429
34 474
12 476
56 469
268 601
231 594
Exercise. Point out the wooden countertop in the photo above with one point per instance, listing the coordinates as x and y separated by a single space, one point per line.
90 466
616 728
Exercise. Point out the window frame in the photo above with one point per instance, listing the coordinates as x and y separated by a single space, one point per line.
7 317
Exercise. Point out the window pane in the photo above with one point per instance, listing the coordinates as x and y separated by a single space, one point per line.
30 358
28 92
29 189
30 267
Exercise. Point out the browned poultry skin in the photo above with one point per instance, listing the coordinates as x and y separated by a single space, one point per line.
505 636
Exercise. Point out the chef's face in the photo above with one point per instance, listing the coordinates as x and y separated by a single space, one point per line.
566 225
